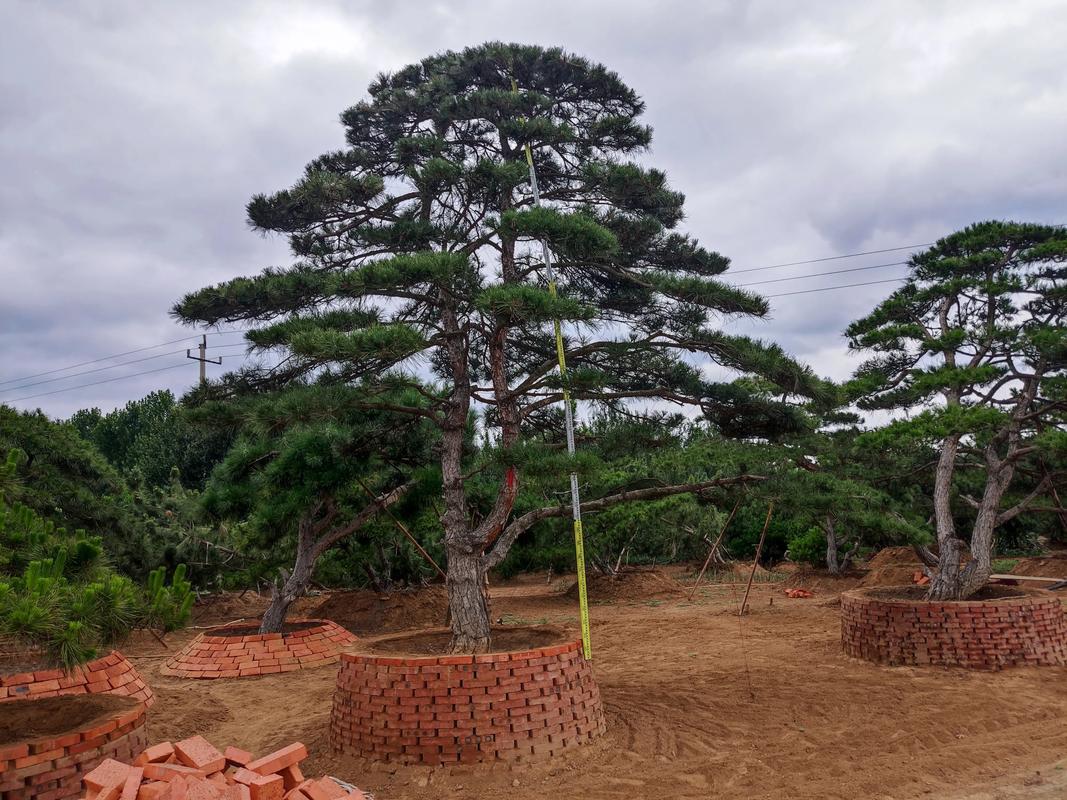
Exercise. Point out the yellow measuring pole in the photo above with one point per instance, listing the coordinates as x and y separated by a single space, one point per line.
568 415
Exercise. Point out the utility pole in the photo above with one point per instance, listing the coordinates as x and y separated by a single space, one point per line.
202 358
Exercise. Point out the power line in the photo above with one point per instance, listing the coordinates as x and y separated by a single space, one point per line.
114 355
830 258
820 274
96 383
831 288
111 366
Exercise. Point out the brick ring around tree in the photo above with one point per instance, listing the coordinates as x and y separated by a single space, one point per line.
88 729
242 652
110 674
1011 626
446 709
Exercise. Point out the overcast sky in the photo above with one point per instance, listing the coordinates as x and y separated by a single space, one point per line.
132 134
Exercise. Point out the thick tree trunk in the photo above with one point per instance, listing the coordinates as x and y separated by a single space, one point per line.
287 588
832 565
468 600
946 583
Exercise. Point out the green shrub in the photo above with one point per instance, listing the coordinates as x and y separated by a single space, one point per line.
58 594
808 547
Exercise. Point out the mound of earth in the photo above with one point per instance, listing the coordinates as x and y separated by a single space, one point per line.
364 612
1043 567
892 557
632 584
892 566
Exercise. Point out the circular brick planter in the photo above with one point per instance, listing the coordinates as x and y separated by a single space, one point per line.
241 652
111 674
1022 627
51 766
447 709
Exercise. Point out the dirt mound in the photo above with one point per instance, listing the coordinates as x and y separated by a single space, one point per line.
364 612
893 557
24 720
632 584
892 566
1044 567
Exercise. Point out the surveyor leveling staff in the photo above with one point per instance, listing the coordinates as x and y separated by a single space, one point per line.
568 414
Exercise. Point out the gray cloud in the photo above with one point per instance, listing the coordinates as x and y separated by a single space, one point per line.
132 134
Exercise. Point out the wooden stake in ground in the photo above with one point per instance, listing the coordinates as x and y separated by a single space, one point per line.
755 561
714 548
405 531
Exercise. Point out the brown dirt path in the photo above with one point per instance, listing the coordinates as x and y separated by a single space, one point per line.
694 714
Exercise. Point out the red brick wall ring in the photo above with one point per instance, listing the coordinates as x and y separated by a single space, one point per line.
241 652
72 735
1004 627
111 674
446 709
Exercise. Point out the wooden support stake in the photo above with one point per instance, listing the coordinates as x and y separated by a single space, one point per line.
404 530
755 561
714 547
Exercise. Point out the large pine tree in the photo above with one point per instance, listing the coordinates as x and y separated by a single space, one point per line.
417 249
976 339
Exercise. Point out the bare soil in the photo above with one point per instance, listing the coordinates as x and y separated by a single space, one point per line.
700 705
1045 567
23 720
505 639
366 612
629 585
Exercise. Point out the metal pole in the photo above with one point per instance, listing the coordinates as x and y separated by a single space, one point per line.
568 415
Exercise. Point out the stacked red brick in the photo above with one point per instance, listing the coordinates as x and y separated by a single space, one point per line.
438 710
194 769
51 768
112 674
1029 629
220 656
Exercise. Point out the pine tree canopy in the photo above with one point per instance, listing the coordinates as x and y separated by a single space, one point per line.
420 241
420 246
983 314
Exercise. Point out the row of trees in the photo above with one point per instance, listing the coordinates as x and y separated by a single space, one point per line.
418 287
414 381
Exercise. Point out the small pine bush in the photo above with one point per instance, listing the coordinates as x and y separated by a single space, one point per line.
59 596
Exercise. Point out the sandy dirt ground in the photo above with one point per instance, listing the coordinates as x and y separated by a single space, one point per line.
698 706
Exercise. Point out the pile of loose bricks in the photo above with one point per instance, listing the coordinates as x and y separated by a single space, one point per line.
52 767
194 769
465 709
216 655
112 674
1025 630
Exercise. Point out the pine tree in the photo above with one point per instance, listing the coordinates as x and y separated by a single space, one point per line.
310 467
418 245
977 339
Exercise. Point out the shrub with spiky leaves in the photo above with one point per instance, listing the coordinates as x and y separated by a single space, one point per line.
58 596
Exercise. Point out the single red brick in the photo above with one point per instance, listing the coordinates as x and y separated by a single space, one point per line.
109 773
237 756
198 752
279 759
291 776
267 787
